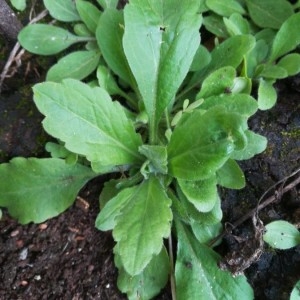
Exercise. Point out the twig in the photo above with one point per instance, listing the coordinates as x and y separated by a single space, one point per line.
261 206
15 56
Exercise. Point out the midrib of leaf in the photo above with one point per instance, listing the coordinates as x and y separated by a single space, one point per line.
109 138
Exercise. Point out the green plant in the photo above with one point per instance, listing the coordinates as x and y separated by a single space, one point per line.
175 134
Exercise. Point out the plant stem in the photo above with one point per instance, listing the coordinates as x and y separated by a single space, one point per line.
172 271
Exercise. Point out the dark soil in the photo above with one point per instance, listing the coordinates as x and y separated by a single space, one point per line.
67 258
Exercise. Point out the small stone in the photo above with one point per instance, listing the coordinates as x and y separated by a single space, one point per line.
43 226
14 233
24 282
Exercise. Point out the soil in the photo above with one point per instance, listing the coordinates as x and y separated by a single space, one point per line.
67 258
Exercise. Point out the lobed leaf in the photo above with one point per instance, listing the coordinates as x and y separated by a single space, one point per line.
282 235
45 39
144 222
167 32
211 138
62 10
198 276
34 190
149 282
76 65
93 125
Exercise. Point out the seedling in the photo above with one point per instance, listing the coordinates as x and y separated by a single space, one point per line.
175 127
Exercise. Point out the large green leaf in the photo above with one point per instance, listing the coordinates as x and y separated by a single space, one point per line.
202 194
160 41
109 36
75 65
88 121
269 13
89 14
34 190
282 44
198 276
62 10
202 143
143 224
149 282
45 39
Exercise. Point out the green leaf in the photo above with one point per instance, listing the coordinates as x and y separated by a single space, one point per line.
282 45
109 36
18 4
166 32
272 72
269 13
231 176
282 235
291 63
295 295
157 156
106 80
211 138
225 8
59 151
93 126
202 194
81 30
46 39
267 94
217 82
255 145
201 59
143 224
34 190
198 276
62 10
89 14
205 233
236 25
108 3
214 24
106 219
76 65
149 282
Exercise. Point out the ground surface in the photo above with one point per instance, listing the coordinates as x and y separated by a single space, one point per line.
67 258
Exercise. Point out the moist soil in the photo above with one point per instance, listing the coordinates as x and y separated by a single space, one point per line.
67 258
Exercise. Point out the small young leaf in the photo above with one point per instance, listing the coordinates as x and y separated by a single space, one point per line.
62 10
76 65
295 295
231 176
108 3
282 45
18 4
167 31
225 8
269 13
81 30
149 282
198 276
106 219
202 194
255 145
109 36
282 235
267 95
215 25
106 80
143 224
94 126
89 14
291 63
217 82
236 24
34 190
211 138
45 39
